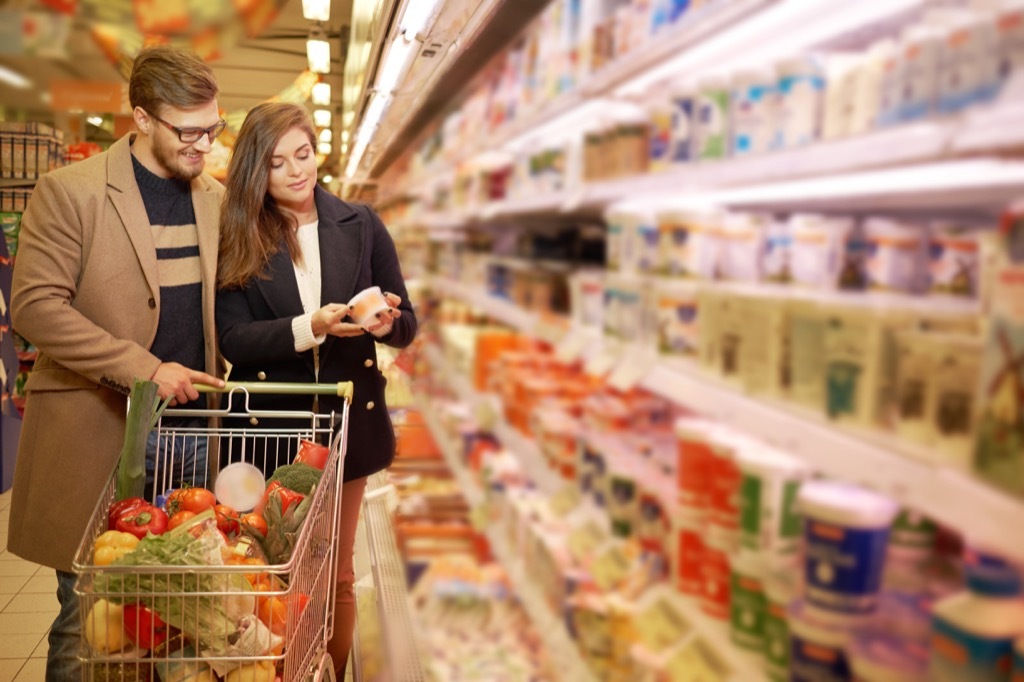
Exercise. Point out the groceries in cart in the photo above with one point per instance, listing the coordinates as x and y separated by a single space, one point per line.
226 613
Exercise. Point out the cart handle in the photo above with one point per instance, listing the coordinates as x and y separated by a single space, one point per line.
342 389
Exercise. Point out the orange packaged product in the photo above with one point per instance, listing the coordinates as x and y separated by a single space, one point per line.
693 470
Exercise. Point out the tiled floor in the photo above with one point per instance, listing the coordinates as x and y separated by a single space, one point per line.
28 605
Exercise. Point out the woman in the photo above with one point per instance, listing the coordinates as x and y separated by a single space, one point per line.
291 256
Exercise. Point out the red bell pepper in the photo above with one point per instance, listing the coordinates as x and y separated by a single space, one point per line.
313 454
118 509
287 497
144 627
142 520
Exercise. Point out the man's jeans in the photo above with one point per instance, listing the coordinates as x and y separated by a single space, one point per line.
181 459
65 637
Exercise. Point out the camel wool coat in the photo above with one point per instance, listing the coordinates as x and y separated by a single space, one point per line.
86 292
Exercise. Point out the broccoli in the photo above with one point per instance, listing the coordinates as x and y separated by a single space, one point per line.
298 477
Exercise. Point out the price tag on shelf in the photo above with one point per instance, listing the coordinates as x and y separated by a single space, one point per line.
565 501
633 368
610 569
661 626
696 663
584 541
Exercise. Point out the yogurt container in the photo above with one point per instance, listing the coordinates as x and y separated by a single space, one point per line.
711 119
753 112
894 256
953 260
779 594
688 236
818 650
969 71
742 251
778 246
846 529
748 604
801 101
878 658
367 305
678 315
694 464
921 48
819 257
769 482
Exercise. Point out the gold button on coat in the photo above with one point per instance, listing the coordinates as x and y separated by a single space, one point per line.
369 405
254 421
262 376
368 363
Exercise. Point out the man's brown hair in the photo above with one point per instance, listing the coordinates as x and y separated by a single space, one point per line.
164 75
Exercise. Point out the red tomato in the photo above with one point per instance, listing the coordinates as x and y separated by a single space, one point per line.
227 519
179 518
255 521
196 500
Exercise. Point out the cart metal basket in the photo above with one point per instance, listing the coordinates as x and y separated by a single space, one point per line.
207 604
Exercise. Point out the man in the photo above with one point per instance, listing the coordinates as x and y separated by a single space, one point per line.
114 280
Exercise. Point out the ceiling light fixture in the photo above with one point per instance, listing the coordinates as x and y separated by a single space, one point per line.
326 135
316 10
416 15
322 118
14 79
95 120
327 179
318 52
324 148
321 94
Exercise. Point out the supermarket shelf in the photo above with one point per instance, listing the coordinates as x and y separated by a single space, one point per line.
879 460
541 203
995 127
712 632
390 582
561 646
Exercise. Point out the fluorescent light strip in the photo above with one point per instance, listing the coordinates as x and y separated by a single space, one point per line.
318 54
396 64
415 16
321 94
786 29
316 10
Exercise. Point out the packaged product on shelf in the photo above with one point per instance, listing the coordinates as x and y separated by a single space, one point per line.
733 333
871 80
920 59
624 308
826 252
818 647
748 603
694 436
660 113
710 301
619 241
842 74
806 357
974 631
877 658
753 112
1010 38
801 95
646 240
910 551
895 255
915 372
779 593
846 531
724 488
695 660
630 154
658 625
593 467
556 433
953 397
681 140
678 318
770 525
657 501
716 575
742 237
711 119
586 294
969 64
776 265
623 492
953 260
688 556
689 241
763 363
890 96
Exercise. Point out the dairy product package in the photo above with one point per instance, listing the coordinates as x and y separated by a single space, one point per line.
828 252
953 396
754 112
711 119
870 81
742 242
895 255
681 139
763 361
801 99
806 356
769 523
918 79
778 252
678 318
843 71
689 243
969 64
953 260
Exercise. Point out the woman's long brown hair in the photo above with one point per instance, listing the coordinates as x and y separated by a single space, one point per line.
252 226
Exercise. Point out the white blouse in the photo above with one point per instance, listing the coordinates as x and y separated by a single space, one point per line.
307 276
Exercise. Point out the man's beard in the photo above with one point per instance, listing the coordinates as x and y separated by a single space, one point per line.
171 161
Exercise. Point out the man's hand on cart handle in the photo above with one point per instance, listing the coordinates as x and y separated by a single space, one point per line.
175 381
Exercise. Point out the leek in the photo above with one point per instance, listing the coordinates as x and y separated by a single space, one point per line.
143 414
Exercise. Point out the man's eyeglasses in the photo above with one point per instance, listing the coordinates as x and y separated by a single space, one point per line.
189 135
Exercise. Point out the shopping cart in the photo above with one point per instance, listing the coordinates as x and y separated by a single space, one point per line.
207 603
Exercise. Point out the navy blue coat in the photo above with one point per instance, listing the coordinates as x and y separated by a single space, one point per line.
255 331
